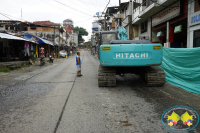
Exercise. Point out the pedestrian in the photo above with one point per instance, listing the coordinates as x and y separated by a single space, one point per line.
78 64
71 53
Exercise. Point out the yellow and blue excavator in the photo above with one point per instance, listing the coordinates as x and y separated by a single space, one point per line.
117 55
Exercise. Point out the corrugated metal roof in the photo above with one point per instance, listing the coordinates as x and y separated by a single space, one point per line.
11 37
37 39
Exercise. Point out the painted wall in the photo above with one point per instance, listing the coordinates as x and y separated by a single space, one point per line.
43 29
68 28
148 32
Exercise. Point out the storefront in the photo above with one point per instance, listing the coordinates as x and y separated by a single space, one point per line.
47 45
170 25
194 25
14 48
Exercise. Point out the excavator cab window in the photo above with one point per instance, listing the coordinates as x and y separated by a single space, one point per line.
107 38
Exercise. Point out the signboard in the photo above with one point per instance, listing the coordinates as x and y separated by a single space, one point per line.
156 47
34 39
113 24
106 48
95 26
95 29
167 14
178 29
194 18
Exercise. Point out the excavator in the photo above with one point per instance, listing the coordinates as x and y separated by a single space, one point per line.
117 57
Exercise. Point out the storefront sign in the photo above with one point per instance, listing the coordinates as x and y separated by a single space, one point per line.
178 29
167 14
194 18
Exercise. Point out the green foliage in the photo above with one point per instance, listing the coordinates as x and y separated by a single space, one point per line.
17 68
82 32
4 70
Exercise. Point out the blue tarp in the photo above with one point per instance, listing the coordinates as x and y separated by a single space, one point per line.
36 39
182 68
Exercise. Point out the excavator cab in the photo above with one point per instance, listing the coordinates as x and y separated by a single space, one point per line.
105 38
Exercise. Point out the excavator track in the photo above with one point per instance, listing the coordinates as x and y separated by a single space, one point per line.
154 76
106 76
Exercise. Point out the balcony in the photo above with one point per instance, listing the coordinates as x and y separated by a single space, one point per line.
125 21
150 8
147 3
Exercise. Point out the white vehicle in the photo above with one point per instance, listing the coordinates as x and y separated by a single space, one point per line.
63 53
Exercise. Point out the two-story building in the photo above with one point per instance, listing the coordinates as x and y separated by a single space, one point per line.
161 21
126 17
193 38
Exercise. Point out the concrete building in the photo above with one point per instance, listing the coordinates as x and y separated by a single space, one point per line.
72 35
111 23
193 38
68 24
126 16
158 20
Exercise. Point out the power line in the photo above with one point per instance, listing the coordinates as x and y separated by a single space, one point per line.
106 6
72 8
80 6
5 16
89 3
13 16
61 8
83 20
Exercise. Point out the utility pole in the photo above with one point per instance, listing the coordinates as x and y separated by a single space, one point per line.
119 5
105 22
54 34
59 34
119 12
21 22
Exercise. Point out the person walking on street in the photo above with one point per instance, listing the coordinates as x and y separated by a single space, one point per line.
71 53
78 64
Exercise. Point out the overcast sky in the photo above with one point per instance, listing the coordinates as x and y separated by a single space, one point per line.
80 11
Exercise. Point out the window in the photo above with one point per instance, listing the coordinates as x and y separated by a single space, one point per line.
136 4
144 27
197 38
126 12
197 6
107 38
144 2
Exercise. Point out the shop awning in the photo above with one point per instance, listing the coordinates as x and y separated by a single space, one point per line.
11 37
36 39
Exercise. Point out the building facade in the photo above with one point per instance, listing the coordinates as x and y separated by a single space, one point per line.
193 38
161 21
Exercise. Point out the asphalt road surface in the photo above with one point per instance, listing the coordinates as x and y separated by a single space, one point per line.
52 99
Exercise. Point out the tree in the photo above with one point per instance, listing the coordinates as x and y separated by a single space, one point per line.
82 32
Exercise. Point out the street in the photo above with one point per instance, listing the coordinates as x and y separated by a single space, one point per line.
52 99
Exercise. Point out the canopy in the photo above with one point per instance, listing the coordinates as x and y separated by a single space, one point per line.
36 39
11 37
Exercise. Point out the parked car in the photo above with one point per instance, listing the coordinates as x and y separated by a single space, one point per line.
63 53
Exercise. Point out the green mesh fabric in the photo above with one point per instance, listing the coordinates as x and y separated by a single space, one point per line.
182 68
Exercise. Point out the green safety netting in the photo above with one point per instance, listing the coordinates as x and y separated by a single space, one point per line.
182 67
